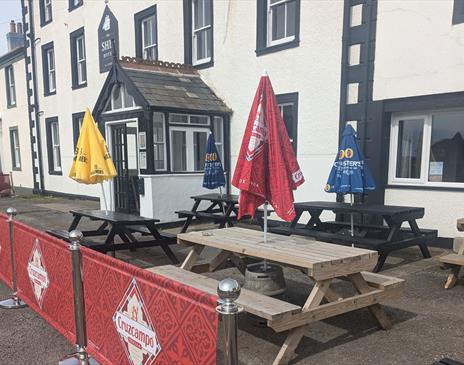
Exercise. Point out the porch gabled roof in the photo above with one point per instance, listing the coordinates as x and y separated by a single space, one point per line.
164 85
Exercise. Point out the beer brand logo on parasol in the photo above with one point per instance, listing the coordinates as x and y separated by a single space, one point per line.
135 328
258 135
38 273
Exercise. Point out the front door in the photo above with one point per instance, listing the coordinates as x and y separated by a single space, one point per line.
124 153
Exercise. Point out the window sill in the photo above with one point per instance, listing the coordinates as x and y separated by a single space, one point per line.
43 23
49 93
75 87
75 7
59 173
424 187
277 47
16 168
10 106
204 65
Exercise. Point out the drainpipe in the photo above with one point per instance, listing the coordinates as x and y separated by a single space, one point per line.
31 36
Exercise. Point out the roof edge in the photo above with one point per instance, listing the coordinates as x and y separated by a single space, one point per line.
12 56
157 66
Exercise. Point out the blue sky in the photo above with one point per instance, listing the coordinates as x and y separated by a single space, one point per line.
9 10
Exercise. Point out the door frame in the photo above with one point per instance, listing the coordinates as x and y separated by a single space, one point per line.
109 142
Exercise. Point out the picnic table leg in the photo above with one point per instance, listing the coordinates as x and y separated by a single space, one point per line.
189 218
314 221
192 257
452 277
164 245
295 335
376 310
218 260
382 258
109 241
75 223
423 247
294 222
227 214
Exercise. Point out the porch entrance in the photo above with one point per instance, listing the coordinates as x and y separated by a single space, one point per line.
124 153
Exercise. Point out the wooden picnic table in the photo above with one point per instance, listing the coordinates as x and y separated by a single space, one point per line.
382 238
322 263
454 261
122 225
221 210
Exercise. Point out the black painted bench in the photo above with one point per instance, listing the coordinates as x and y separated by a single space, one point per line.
447 361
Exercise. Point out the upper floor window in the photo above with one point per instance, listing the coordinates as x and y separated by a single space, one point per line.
78 58
288 105
73 4
146 37
427 149
53 145
15 151
48 66
10 86
77 120
458 11
120 99
198 23
278 25
46 15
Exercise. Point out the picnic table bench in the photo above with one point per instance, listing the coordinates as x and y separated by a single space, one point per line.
318 260
382 238
454 261
122 225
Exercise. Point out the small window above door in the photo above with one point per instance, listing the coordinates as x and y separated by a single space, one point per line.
120 100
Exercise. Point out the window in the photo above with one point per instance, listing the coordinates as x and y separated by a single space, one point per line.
218 134
427 149
78 59
188 119
73 4
277 25
120 99
48 66
77 119
46 16
159 140
288 105
146 36
53 146
15 151
458 11
10 86
198 28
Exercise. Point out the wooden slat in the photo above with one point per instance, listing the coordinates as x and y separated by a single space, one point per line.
258 304
453 258
321 259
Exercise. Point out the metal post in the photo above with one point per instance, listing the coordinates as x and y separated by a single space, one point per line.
229 291
14 302
80 357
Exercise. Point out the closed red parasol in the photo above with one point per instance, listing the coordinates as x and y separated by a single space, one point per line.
267 169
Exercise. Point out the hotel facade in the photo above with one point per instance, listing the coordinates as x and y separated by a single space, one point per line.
160 75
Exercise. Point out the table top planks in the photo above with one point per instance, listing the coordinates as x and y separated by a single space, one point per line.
322 260
113 217
227 198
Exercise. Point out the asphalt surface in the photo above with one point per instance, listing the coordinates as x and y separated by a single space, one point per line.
428 320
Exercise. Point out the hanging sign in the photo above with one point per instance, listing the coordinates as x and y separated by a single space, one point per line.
108 37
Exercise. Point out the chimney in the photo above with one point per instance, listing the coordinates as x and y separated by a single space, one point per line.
15 38
19 28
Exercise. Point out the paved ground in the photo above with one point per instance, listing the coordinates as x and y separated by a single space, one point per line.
428 321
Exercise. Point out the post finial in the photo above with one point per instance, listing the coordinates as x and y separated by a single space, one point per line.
228 290
75 236
11 212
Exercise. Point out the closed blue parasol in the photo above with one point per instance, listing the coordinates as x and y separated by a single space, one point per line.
213 177
350 173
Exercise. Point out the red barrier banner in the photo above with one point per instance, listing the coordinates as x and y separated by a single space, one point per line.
44 277
135 317
5 258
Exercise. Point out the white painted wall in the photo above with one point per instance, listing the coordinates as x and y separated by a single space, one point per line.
16 117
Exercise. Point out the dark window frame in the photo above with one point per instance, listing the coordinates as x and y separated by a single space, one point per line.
44 22
7 85
73 36
291 98
13 158
75 125
262 47
188 46
45 68
458 12
138 19
72 6
51 167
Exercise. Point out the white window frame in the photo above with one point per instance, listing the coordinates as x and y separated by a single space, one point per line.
80 61
161 143
16 163
219 145
123 101
146 48
56 150
426 145
189 117
11 86
196 61
281 106
51 71
189 146
270 41
47 11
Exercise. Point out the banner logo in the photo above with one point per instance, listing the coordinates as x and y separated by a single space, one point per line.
348 153
135 328
258 135
37 273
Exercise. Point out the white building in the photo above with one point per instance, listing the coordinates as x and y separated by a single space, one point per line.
399 82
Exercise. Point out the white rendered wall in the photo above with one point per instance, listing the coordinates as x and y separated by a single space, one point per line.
16 117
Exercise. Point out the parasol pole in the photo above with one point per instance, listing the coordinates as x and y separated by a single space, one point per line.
351 218
104 198
265 231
